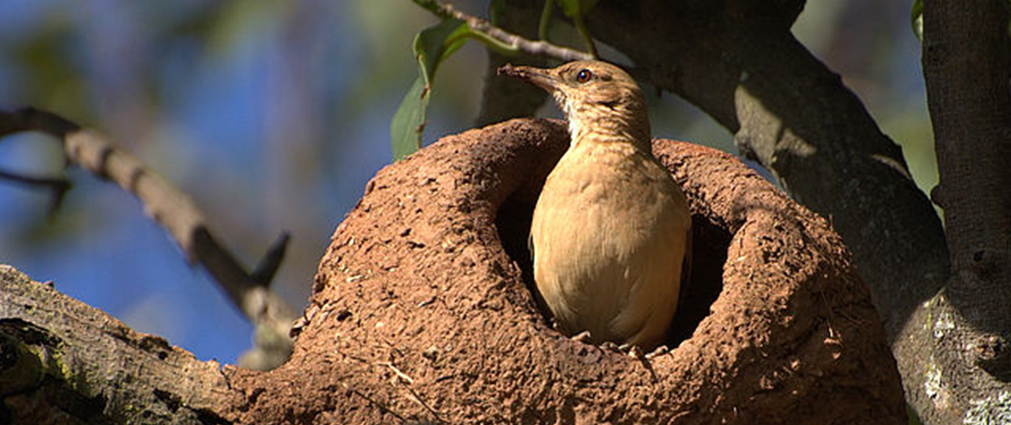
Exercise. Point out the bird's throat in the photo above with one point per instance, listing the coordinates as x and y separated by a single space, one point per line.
606 131
601 123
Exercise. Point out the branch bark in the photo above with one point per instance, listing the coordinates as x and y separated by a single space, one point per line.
967 67
62 361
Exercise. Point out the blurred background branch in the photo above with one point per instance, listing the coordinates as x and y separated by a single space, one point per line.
180 217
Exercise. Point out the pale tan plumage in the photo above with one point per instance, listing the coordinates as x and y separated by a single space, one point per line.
610 229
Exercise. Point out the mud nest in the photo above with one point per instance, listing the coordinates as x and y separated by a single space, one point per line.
423 310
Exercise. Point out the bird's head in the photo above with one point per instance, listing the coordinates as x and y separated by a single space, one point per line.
599 99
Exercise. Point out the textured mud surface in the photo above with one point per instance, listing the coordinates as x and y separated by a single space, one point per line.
422 308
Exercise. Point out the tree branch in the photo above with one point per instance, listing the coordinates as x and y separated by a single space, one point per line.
65 362
967 68
533 48
58 186
179 215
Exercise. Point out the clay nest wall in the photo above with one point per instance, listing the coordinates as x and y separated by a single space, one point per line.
423 308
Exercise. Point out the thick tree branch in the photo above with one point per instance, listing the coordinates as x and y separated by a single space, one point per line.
180 217
967 68
62 361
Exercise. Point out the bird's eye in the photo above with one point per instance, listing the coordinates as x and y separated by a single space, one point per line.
584 76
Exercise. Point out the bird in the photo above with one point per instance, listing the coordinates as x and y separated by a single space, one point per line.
610 236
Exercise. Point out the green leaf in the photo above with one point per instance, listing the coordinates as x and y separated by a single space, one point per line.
916 19
409 121
432 46
497 8
576 8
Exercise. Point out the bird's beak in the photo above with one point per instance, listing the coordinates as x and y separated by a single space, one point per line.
542 78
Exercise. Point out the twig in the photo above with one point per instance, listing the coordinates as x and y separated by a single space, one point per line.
174 211
271 261
407 381
57 185
513 41
399 373
417 399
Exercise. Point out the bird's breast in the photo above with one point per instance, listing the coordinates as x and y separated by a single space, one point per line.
608 237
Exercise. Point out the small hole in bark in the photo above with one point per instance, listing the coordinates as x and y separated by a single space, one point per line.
709 252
